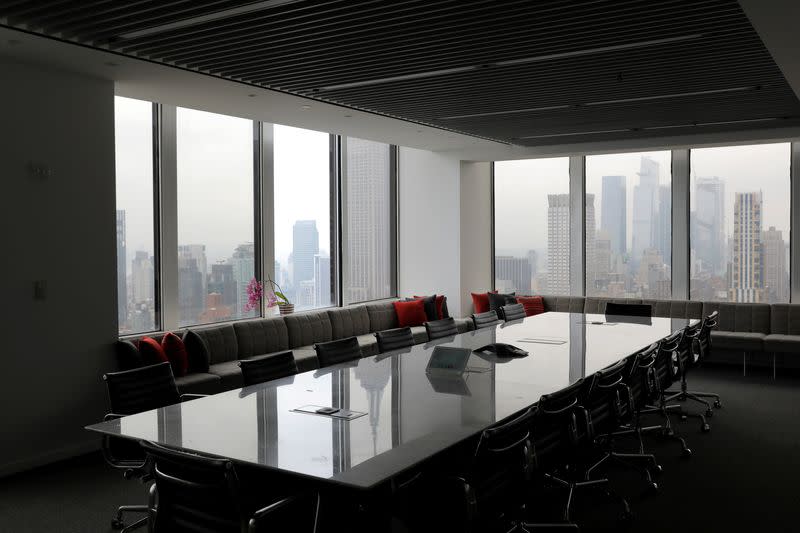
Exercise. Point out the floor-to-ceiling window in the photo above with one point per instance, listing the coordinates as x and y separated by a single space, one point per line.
629 225
532 226
216 249
739 223
136 260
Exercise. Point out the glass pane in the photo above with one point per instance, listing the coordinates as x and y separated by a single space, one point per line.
629 225
368 275
531 226
133 128
216 253
302 217
739 248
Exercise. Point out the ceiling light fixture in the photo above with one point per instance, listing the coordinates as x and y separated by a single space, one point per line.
719 123
191 21
510 112
512 62
305 107
570 134
676 95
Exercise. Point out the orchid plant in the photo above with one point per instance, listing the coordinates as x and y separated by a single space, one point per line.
256 292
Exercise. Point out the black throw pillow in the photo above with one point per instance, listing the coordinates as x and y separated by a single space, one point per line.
498 300
429 302
197 350
128 355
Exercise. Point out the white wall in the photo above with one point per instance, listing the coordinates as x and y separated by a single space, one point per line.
60 229
429 226
476 232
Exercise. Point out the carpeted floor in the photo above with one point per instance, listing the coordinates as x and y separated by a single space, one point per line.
741 477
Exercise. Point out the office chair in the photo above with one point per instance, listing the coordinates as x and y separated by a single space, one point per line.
609 402
130 392
563 440
446 327
394 339
697 344
485 320
338 351
512 312
642 310
268 367
204 494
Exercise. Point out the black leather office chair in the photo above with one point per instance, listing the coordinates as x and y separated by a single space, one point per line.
644 310
697 343
512 312
394 339
563 444
446 327
130 392
268 367
486 320
338 351
205 495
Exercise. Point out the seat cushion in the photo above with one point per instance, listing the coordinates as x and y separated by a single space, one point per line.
229 373
777 342
221 343
199 383
369 344
676 308
420 334
349 321
750 318
307 328
258 337
464 324
739 341
565 304
785 319
381 316
306 358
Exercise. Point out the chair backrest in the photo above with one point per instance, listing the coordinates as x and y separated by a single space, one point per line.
560 427
485 320
513 312
338 351
620 309
709 323
641 377
446 327
608 399
268 367
394 339
141 389
195 493
667 361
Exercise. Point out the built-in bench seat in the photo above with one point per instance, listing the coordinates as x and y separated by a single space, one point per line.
225 344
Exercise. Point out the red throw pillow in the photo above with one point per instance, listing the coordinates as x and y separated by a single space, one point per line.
410 313
439 305
534 305
176 354
480 301
151 351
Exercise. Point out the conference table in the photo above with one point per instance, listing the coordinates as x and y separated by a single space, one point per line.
402 416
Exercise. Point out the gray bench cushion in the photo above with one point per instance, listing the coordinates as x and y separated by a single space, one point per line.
564 304
259 337
349 321
306 358
737 341
742 318
420 334
785 319
777 342
221 343
199 383
381 316
369 344
307 328
229 373
676 308
464 324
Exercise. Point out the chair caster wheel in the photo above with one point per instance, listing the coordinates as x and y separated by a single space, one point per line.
717 404
687 452
709 413
657 469
117 524
684 417
706 428
653 488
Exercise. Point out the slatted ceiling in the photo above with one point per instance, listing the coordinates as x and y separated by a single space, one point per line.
714 67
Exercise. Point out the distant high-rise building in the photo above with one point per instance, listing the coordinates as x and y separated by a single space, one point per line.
645 209
602 261
305 245
368 269
515 270
191 282
221 282
591 242
663 230
322 281
142 277
776 274
304 295
708 225
243 263
122 271
747 281
558 244
613 215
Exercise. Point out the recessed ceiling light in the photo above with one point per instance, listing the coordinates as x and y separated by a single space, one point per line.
251 95
111 64
348 116
419 131
305 107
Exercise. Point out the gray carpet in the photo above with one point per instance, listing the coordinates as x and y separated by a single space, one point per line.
741 476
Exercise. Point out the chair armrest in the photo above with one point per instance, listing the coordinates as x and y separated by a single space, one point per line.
269 509
187 397
112 416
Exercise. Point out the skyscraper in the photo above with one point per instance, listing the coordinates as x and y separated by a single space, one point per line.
243 264
558 243
122 271
305 245
747 282
142 277
322 281
368 270
663 230
613 216
776 275
191 282
516 270
221 281
708 223
645 209
591 242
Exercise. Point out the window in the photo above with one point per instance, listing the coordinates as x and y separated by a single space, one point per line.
368 222
629 225
135 236
303 240
531 226
216 252
739 248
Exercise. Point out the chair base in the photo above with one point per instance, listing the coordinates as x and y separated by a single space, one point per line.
573 486
117 522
